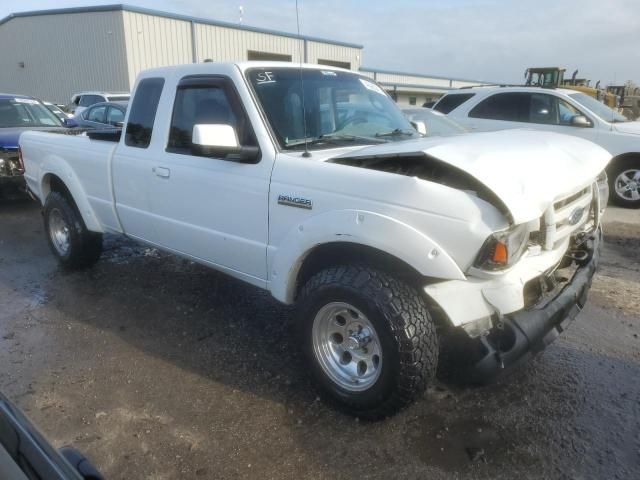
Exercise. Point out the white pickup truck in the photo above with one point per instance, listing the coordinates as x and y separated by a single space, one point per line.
390 243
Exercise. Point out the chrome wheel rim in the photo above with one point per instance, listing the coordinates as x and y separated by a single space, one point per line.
347 346
59 232
627 184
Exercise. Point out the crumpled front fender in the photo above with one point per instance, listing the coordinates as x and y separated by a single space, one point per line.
359 227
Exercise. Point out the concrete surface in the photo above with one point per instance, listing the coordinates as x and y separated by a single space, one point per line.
160 369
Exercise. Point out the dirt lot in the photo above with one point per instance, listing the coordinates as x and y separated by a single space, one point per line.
157 368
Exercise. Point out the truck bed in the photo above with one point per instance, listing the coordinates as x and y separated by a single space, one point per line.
82 160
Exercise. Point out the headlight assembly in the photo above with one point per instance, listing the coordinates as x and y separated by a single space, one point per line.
503 249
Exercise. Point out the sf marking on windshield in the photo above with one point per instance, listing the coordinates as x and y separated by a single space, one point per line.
295 202
265 77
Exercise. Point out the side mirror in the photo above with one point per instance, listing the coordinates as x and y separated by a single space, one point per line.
220 140
580 121
420 127
70 123
118 124
216 137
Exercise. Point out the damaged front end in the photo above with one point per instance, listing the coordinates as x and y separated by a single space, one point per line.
560 296
551 300
426 167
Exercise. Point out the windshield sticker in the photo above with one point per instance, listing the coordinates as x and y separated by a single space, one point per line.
329 73
30 101
371 86
265 77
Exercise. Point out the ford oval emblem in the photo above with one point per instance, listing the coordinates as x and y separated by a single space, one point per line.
576 216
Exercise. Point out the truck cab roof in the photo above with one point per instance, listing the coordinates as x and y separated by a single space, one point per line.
208 67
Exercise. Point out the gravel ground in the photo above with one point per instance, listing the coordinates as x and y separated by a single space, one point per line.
157 368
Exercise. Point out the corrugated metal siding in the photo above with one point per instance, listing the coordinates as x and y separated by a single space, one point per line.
423 87
326 51
412 80
63 54
464 83
222 44
154 41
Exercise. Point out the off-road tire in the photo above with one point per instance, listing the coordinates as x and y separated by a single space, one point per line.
403 324
613 172
85 247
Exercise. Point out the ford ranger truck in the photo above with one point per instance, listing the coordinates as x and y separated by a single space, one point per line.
310 183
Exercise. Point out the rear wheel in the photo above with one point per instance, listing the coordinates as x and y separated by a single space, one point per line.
369 339
68 237
624 178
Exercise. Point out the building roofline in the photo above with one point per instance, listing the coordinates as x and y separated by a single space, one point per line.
415 86
175 16
422 75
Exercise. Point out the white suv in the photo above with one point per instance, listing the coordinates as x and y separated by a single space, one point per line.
559 110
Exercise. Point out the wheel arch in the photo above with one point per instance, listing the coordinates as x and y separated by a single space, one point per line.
355 237
623 157
72 190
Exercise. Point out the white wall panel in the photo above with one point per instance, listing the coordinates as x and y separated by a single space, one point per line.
328 51
154 41
222 44
63 54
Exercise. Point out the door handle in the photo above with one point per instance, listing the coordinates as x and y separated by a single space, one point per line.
161 172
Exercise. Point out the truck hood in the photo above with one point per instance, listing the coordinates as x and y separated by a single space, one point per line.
527 170
9 136
628 127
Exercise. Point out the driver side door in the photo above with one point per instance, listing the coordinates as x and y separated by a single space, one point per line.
211 207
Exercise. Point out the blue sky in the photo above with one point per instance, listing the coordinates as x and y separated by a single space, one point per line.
484 39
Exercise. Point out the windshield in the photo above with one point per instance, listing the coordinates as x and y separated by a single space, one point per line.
437 124
599 108
26 112
339 106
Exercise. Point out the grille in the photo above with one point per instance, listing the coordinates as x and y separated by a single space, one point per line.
567 216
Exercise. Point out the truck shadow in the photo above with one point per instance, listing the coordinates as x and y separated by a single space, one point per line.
237 336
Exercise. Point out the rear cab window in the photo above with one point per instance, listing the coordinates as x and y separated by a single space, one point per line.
143 112
451 101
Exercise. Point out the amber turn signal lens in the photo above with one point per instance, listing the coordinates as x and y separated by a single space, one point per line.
500 253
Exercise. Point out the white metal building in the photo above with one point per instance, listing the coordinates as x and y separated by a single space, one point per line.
416 88
52 54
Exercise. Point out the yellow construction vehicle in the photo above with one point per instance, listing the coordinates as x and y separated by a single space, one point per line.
629 99
553 77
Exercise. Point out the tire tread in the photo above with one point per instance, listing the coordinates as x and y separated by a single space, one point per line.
410 324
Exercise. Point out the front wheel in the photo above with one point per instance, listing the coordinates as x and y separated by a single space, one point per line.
369 339
624 178
68 237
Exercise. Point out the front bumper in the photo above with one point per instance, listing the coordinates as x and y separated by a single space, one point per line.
12 185
526 332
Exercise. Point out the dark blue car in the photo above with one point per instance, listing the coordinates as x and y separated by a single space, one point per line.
17 114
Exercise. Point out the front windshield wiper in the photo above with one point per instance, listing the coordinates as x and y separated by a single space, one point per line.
397 132
333 139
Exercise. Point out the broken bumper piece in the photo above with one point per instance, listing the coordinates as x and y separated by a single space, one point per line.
527 332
